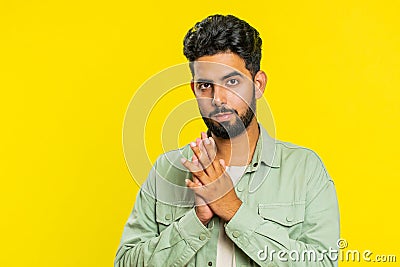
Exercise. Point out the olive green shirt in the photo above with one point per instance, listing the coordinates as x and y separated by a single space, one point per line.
289 213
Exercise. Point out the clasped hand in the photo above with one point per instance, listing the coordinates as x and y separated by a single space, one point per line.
211 183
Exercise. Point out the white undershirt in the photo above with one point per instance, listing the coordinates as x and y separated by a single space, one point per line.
225 247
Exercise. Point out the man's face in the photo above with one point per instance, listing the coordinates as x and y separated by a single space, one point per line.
225 94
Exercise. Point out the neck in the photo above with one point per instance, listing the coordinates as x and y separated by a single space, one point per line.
238 151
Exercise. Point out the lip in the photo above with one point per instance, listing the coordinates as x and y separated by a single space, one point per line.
223 116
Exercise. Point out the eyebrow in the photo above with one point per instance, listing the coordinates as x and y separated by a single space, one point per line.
200 80
233 73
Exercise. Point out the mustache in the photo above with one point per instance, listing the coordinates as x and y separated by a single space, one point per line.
222 110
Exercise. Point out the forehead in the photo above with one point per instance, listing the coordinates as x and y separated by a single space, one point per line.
217 66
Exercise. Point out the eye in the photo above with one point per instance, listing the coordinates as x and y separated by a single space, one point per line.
204 86
232 82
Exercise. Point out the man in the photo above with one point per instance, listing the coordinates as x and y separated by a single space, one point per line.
235 196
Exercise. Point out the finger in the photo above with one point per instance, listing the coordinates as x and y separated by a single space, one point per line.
221 166
195 160
198 190
195 170
196 151
213 144
213 147
209 148
201 154
205 159
191 166
196 181
207 143
190 183
193 184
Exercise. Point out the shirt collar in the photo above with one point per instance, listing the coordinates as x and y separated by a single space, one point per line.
266 151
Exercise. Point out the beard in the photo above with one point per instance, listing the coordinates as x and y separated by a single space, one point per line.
225 129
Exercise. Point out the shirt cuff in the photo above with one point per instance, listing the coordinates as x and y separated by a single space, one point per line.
242 225
193 231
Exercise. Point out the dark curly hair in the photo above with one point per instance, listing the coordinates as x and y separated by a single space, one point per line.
218 33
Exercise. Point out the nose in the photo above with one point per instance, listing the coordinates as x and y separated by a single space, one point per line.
219 95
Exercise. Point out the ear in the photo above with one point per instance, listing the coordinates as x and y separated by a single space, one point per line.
260 82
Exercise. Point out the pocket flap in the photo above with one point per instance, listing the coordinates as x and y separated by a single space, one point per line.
286 214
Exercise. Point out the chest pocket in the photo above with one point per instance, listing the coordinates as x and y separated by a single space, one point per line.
286 214
167 214
286 219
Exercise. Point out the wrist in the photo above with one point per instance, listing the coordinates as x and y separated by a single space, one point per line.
201 218
231 210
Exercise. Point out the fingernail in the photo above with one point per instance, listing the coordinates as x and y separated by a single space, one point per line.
207 141
192 144
183 160
186 181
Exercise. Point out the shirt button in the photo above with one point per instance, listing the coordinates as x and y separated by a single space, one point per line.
240 188
235 234
289 218
209 263
168 217
202 237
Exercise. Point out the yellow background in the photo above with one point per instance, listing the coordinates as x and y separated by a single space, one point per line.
68 70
